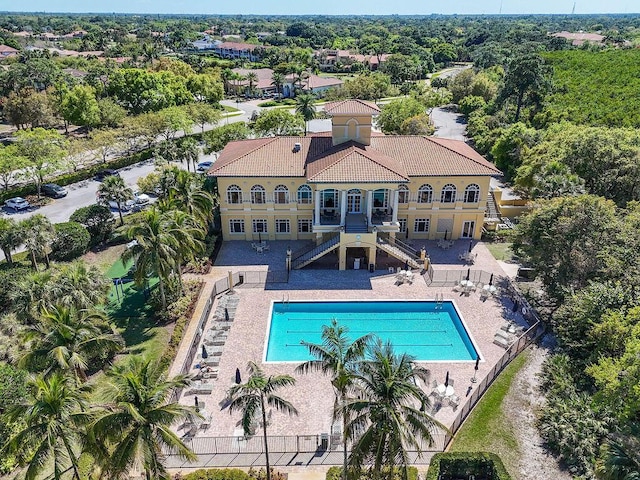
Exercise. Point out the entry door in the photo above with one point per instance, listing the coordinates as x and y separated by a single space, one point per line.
354 201
468 228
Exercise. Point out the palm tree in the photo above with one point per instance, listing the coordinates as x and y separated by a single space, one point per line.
253 397
66 339
278 80
386 411
136 424
339 357
306 108
113 189
10 237
620 457
155 251
32 293
186 193
227 75
252 78
37 235
188 150
54 416
190 236
78 285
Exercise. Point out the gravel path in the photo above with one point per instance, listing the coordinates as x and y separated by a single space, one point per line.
523 401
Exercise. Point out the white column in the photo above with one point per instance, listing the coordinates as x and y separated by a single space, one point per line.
343 207
369 204
396 195
317 208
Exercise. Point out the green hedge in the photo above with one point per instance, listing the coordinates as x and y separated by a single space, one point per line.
452 465
217 474
335 473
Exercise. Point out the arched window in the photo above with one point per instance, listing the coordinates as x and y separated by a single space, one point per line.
304 194
234 194
425 194
448 194
281 194
403 194
472 193
258 194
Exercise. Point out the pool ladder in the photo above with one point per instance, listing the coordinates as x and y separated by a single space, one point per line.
285 301
439 300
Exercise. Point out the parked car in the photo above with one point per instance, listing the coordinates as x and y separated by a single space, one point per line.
141 198
17 204
107 172
204 166
124 206
53 190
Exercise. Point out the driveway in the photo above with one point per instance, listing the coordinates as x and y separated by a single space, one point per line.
449 123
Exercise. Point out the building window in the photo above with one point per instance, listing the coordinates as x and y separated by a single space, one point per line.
259 225
234 194
403 225
329 198
425 194
304 194
421 225
283 226
236 226
472 194
304 226
258 194
381 198
448 194
403 194
281 194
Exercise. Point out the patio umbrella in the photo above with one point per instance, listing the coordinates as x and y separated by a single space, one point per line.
471 245
445 234
477 363
259 237
446 380
226 314
195 399
468 273
204 352
515 306
491 279
238 379
406 264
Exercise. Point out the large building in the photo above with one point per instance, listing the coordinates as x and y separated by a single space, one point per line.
351 188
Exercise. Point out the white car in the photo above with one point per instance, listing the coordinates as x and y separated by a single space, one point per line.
204 166
141 198
17 204
124 206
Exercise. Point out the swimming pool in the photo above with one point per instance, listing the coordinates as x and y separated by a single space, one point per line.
428 330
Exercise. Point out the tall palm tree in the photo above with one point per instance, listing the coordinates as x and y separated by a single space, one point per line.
37 235
66 339
10 237
278 80
155 251
339 357
386 412
113 189
253 397
227 75
306 108
54 416
190 236
252 78
187 193
136 424
188 150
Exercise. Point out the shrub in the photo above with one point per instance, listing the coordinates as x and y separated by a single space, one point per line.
98 221
70 241
218 474
470 104
335 473
451 465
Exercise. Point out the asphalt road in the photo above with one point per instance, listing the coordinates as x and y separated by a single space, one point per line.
449 123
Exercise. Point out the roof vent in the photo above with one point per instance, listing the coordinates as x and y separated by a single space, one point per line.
296 147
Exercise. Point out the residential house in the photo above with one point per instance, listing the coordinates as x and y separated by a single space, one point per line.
331 60
264 85
237 50
578 38
7 51
351 188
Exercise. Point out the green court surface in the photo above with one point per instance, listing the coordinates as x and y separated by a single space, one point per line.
126 299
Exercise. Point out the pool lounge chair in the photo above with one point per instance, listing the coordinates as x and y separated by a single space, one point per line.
501 341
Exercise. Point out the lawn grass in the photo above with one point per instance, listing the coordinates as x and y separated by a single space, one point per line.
488 428
230 109
501 250
103 258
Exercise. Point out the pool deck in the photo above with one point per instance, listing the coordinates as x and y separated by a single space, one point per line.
312 395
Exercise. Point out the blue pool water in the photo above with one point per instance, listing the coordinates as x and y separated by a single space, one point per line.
424 329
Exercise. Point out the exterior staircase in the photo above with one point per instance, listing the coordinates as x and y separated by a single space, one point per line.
355 223
401 251
492 208
303 259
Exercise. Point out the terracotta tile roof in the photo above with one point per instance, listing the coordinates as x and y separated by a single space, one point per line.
6 50
388 158
351 161
238 46
351 106
265 77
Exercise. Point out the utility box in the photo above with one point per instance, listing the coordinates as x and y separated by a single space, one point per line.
372 267
356 264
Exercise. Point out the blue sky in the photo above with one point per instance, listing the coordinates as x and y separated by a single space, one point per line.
331 7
